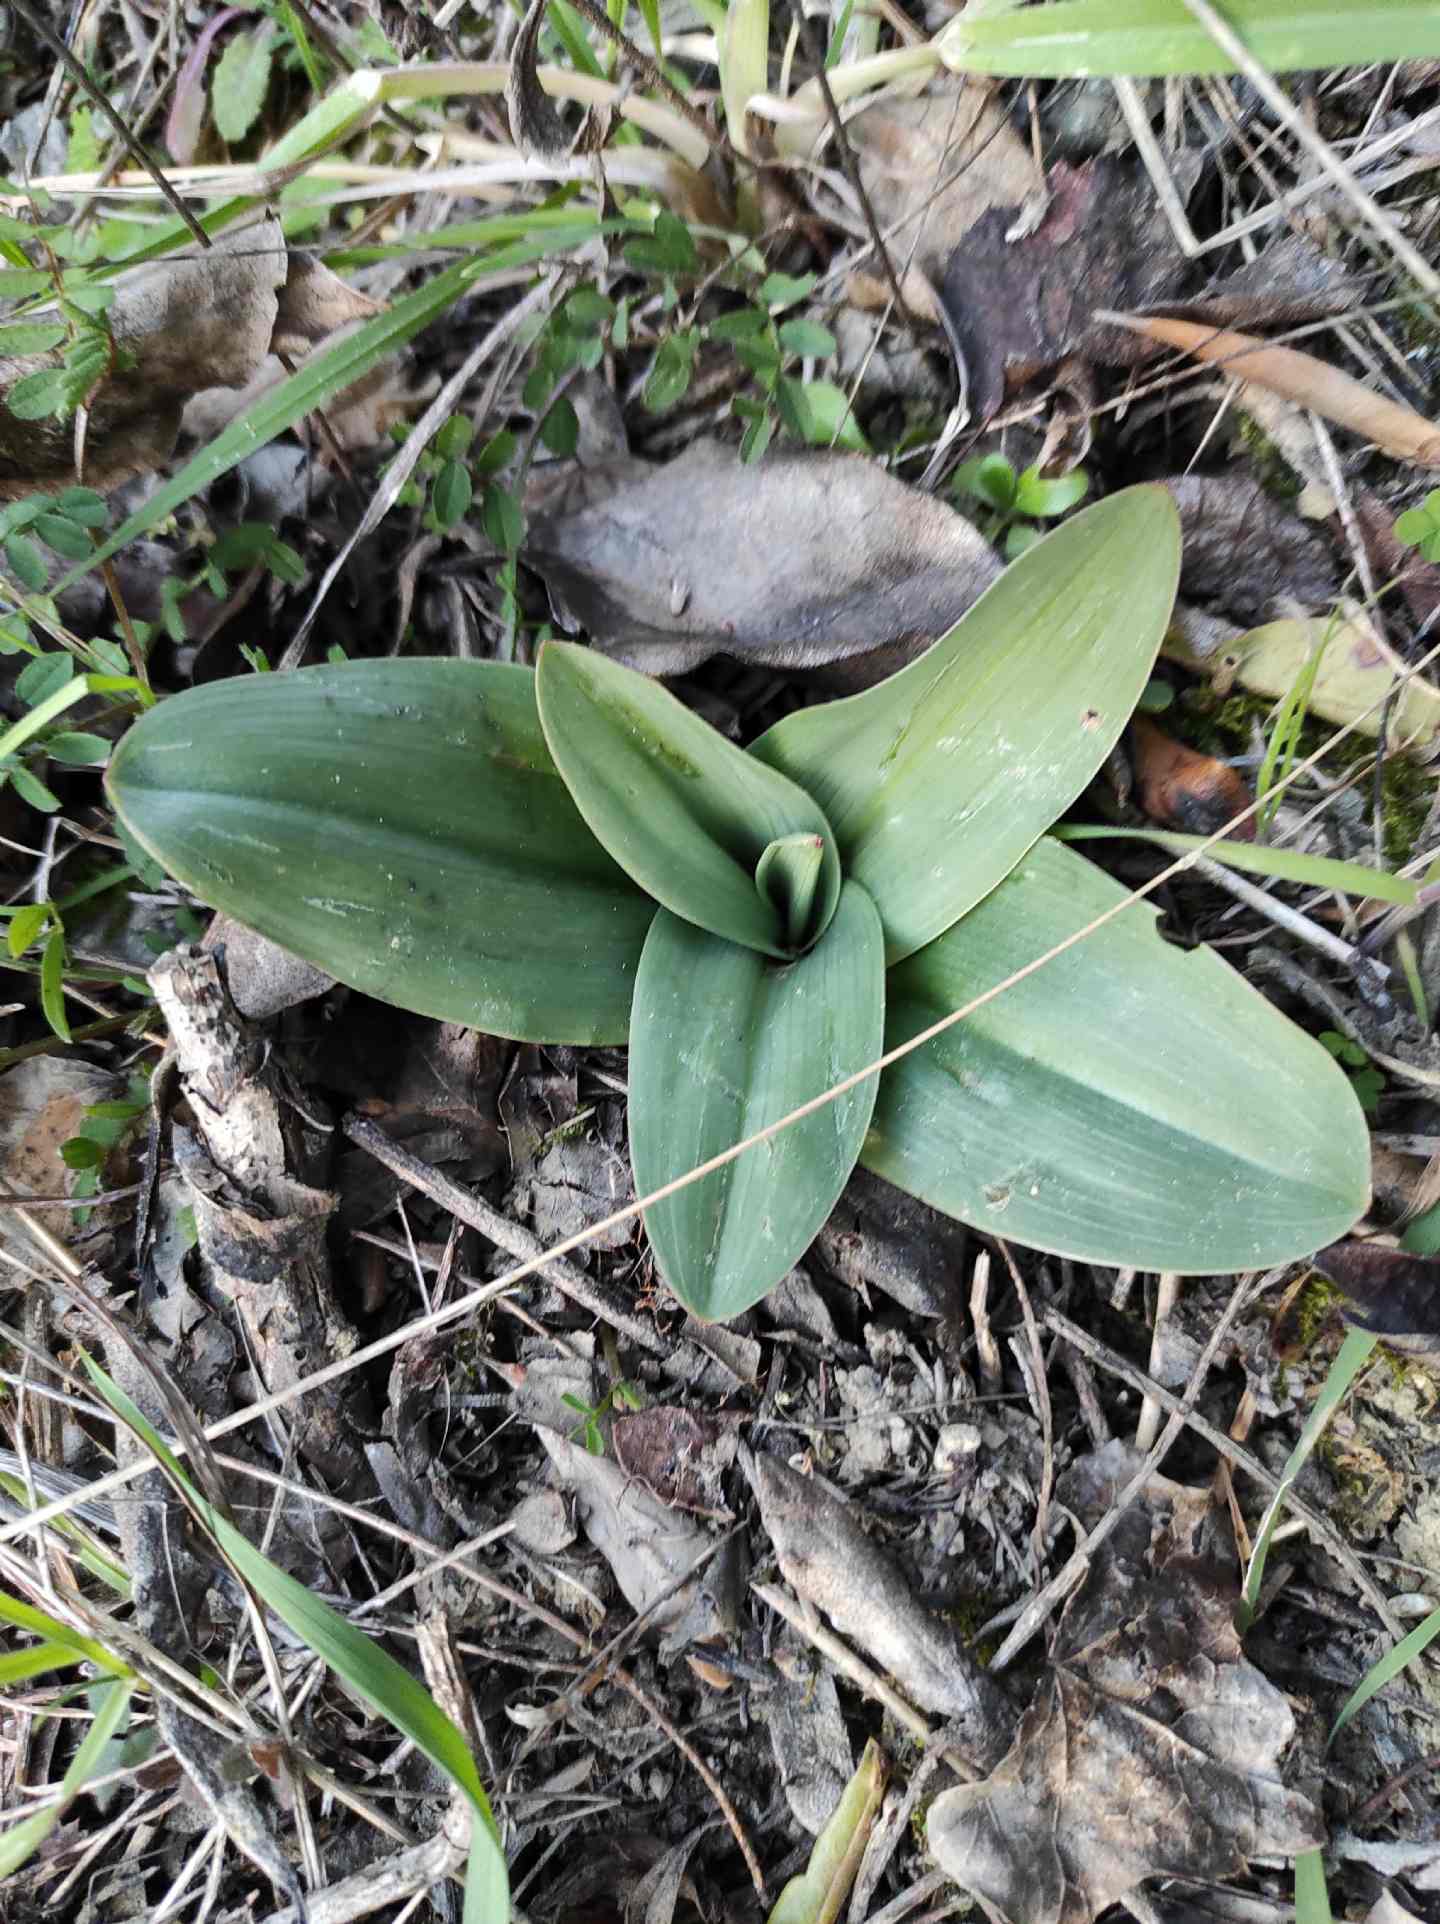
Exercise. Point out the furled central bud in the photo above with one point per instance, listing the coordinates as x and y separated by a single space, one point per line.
788 876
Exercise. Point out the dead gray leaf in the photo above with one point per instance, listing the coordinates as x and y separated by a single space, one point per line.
1246 554
827 1558
535 126
1152 1747
680 1455
262 977
803 561
807 1732
651 1548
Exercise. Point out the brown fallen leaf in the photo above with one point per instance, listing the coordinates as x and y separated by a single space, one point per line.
826 1557
1357 671
932 164
804 561
1244 553
1181 788
1298 377
1021 304
1151 1748
679 1455
661 1560
1388 1290
192 323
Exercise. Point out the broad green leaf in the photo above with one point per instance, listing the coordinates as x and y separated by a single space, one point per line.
1126 1103
939 779
816 1895
722 1043
401 825
22 1840
1082 38
1282 864
685 813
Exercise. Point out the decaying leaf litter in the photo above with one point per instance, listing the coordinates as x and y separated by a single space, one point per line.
667 1577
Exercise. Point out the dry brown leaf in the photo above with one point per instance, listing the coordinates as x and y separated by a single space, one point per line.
1298 377
1021 304
1152 1747
803 562
193 323
934 163
42 1104
1357 671
827 1558
1246 554
651 1548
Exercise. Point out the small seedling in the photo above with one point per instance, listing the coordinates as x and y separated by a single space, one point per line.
1365 1079
1420 527
1018 501
622 1395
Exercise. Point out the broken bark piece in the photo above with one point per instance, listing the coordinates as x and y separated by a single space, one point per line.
261 1226
1152 1747
827 1558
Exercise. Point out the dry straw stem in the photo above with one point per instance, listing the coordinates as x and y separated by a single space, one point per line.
1298 377
465 1305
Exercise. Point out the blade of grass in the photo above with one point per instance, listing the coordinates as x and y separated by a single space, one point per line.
1312 1898
368 1669
1157 38
1355 1353
1282 864
24 1616
1385 1669
24 1839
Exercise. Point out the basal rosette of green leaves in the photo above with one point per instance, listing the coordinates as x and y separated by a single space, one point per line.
571 855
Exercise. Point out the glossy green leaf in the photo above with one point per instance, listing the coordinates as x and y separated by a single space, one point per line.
401 825
684 812
1126 1103
1082 38
939 779
723 1043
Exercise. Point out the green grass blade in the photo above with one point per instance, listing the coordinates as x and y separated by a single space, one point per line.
1312 1895
1355 1353
1387 1668
24 1616
22 1841
43 713
1156 38
1282 864
369 1670
36 1661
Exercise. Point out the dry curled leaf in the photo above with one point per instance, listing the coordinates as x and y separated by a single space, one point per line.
1021 304
193 323
661 1561
1151 1749
1298 377
934 163
1245 554
803 561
